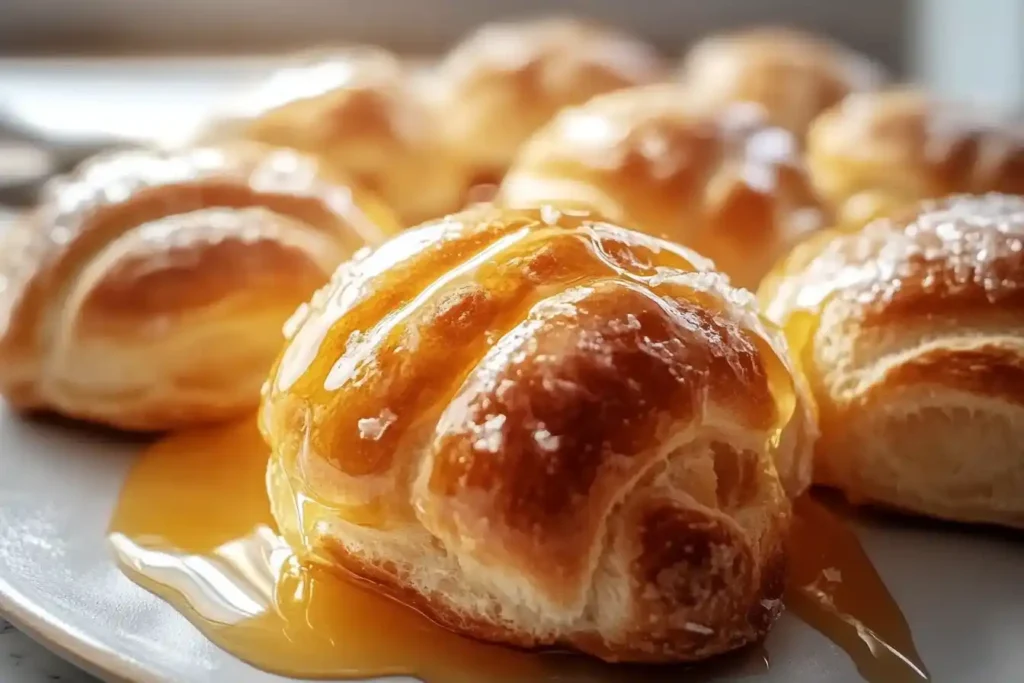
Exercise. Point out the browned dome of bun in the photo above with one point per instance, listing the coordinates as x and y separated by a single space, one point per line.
543 430
507 79
910 333
147 289
361 111
876 153
724 182
793 74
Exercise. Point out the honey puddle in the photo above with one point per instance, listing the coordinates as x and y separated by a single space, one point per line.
834 588
193 526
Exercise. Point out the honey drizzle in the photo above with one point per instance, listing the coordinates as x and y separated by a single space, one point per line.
194 527
833 587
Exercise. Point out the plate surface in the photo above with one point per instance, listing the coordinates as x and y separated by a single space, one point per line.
959 588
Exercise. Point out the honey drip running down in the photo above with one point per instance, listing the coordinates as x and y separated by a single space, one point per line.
194 527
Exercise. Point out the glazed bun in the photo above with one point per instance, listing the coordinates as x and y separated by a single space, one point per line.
879 152
360 110
910 333
723 182
794 75
506 80
543 430
147 290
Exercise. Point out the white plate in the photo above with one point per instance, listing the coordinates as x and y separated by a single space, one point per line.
960 589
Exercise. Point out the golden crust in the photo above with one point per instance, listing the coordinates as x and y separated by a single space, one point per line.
360 111
500 415
950 257
794 75
878 152
506 80
137 293
723 182
909 332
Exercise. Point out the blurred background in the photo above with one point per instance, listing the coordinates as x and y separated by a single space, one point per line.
186 26
80 71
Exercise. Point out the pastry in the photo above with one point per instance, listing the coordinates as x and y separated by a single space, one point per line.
877 152
543 430
909 332
506 80
794 75
721 181
147 289
361 111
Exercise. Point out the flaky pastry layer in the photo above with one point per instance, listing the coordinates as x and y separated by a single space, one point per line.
148 289
794 75
507 79
878 153
910 334
545 430
722 181
362 112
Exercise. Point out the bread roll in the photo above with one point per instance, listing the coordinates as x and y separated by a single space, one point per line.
878 152
723 182
361 111
147 290
794 75
910 332
543 430
506 80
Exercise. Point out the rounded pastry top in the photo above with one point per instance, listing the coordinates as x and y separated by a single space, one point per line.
793 74
908 331
506 80
528 398
135 239
959 256
446 334
722 181
879 152
120 191
361 111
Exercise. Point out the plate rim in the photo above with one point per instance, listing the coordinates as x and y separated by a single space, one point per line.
70 644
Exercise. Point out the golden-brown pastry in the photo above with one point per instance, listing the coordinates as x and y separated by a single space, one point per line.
506 80
148 288
359 109
877 152
910 333
542 429
794 75
723 182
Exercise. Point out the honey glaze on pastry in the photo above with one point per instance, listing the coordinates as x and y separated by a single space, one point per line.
544 430
360 111
723 182
146 290
506 80
909 331
794 75
215 556
876 153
